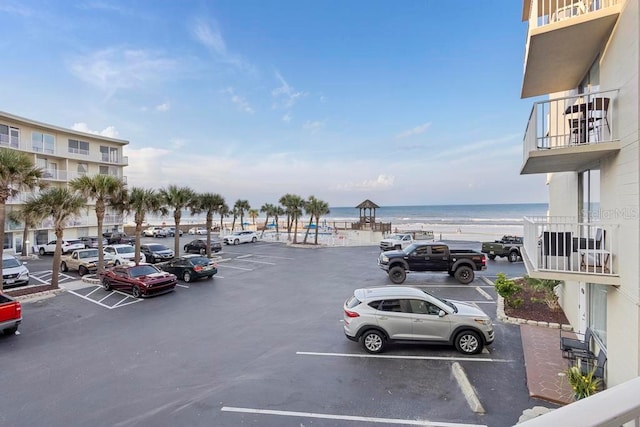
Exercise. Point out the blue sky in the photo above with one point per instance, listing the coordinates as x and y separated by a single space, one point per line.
404 103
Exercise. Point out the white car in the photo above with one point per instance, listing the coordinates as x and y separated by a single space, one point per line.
154 232
238 237
67 246
123 254
198 230
14 272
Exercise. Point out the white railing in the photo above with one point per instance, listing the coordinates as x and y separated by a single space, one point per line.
571 121
545 12
615 406
562 244
9 140
56 174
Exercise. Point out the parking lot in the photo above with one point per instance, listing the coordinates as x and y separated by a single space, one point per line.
260 344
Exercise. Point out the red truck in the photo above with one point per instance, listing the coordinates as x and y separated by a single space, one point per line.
10 314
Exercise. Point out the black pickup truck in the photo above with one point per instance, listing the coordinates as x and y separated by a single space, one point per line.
423 256
508 246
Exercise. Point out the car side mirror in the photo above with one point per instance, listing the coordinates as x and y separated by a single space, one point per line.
442 313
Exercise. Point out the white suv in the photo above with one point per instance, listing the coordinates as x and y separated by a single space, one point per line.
241 237
123 254
376 316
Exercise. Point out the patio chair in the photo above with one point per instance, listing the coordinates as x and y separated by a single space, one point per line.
587 364
572 347
599 107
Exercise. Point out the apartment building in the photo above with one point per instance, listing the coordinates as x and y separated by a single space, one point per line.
62 154
583 56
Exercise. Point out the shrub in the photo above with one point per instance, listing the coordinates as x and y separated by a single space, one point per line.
548 287
582 385
508 289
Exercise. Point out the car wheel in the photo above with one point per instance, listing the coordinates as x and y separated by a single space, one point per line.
186 248
492 257
203 251
135 291
82 270
513 256
236 242
210 277
468 342
255 239
397 274
106 284
41 251
63 267
464 274
117 262
397 247
186 276
373 341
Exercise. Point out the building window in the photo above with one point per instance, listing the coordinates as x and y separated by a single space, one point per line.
42 142
83 169
9 136
109 154
598 311
41 237
8 240
79 147
108 170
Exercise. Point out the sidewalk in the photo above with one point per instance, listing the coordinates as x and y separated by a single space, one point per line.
544 364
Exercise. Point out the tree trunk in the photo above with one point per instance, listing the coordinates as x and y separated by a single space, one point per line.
306 234
317 227
55 268
209 226
139 220
2 216
176 236
100 209
295 231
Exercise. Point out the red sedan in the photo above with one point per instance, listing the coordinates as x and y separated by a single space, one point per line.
141 280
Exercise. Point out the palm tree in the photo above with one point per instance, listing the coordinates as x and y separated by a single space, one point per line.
17 173
61 205
269 210
28 215
253 214
177 198
286 201
236 213
139 202
223 210
209 203
277 213
316 208
293 206
241 206
103 189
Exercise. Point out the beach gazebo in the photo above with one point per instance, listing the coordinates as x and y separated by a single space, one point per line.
367 212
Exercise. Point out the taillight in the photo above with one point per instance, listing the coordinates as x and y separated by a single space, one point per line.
351 313
18 308
484 260
197 268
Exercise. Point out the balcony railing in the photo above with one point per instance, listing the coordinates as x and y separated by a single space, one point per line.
561 244
10 141
573 123
545 12
54 174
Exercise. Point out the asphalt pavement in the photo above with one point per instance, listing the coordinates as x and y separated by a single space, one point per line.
260 344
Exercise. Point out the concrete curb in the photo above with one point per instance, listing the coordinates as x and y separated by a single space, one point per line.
467 389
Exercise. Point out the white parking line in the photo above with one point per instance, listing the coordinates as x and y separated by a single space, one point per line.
101 304
182 286
389 356
244 256
346 417
237 268
483 293
256 262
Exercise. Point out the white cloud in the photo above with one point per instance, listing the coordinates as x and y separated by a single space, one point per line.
382 182
313 126
285 95
287 117
13 7
113 69
415 131
165 106
210 36
109 131
241 103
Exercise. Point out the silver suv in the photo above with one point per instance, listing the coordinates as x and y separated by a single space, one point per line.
377 316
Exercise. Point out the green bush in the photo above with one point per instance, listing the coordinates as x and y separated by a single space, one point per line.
548 287
508 289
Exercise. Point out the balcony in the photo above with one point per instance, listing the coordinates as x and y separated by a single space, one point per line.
564 37
9 140
570 134
561 248
54 174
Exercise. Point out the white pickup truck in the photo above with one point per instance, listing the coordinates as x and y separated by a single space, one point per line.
402 240
85 261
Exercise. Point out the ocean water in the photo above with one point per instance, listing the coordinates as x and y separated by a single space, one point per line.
487 214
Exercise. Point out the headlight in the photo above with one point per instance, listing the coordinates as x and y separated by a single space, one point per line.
384 258
482 321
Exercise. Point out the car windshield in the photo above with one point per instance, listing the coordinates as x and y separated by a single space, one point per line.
156 248
410 248
74 242
126 250
200 260
142 270
449 303
10 262
89 254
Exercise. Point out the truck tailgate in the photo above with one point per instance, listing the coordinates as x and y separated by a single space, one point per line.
9 309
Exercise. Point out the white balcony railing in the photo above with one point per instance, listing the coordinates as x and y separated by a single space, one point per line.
571 121
561 244
545 12
9 140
